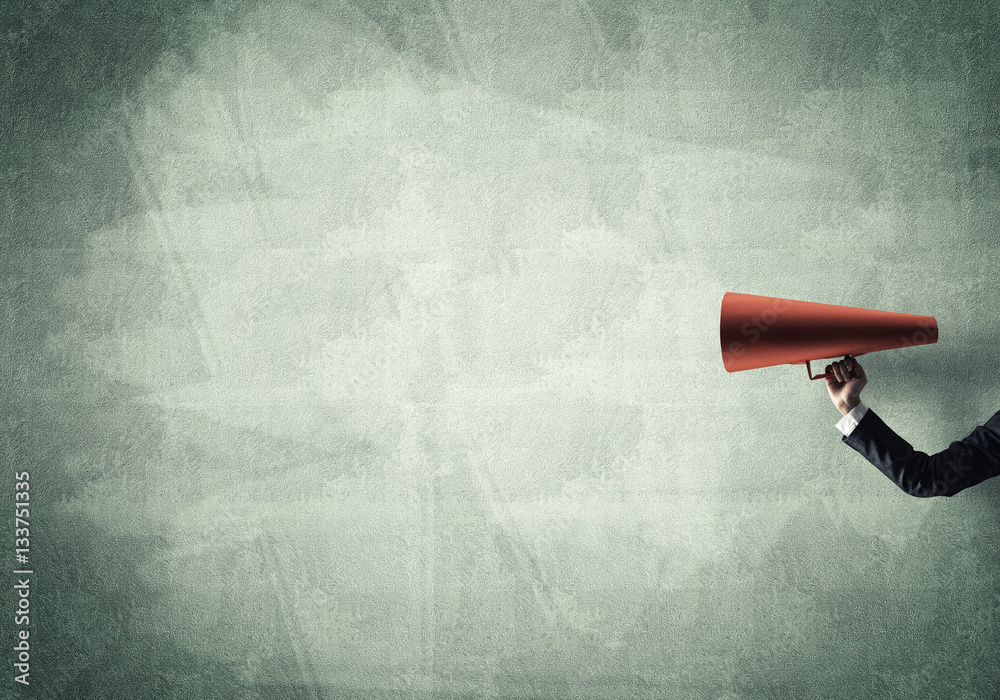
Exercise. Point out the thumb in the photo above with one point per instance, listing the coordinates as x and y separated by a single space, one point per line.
831 381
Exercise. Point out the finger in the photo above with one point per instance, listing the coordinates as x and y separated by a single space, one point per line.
838 371
859 371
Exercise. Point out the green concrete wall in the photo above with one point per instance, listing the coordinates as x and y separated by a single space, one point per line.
370 349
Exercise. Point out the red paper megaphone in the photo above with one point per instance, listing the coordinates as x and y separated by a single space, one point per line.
765 331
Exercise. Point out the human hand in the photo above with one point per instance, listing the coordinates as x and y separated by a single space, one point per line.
845 385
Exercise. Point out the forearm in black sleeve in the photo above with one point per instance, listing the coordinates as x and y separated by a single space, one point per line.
965 463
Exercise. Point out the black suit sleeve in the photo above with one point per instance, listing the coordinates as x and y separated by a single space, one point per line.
965 463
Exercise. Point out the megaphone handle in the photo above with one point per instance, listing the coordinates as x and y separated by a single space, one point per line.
818 376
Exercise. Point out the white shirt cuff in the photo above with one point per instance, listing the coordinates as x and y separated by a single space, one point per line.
848 423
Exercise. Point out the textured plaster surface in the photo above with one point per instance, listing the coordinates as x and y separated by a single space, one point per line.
370 349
